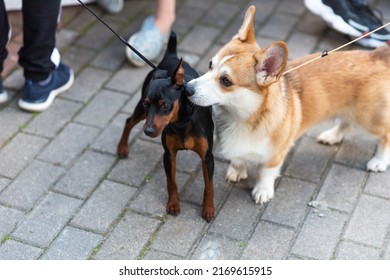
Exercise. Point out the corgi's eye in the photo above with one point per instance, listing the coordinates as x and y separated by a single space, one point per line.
225 81
210 65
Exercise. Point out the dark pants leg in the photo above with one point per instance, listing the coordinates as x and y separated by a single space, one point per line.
359 2
4 29
39 28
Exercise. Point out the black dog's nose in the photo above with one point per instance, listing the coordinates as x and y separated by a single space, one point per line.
149 131
190 91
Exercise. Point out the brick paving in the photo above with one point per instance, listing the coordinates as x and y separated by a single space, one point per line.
65 195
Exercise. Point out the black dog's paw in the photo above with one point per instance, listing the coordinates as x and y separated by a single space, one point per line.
208 213
173 208
123 151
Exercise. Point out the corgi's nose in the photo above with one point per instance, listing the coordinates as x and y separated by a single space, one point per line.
189 89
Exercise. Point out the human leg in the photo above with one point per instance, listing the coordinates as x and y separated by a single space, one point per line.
4 37
165 15
44 81
39 26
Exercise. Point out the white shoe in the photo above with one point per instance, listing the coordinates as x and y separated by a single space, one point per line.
3 93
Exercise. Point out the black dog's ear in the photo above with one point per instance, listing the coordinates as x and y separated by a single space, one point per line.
178 75
160 74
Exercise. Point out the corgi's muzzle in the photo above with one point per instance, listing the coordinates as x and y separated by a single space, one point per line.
201 95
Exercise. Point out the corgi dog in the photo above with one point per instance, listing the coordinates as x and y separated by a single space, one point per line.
260 110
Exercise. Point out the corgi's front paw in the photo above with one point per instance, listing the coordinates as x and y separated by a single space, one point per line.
262 194
330 137
377 164
233 175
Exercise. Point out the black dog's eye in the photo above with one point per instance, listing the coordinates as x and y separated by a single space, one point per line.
165 107
210 65
225 81
146 103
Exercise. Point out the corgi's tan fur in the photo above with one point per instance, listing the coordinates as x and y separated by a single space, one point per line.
260 111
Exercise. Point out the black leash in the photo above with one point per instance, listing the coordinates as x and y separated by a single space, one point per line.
121 38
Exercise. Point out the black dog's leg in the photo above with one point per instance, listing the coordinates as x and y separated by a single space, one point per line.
208 173
173 204
138 115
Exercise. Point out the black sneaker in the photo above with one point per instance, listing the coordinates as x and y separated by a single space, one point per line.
37 97
372 21
351 18
3 93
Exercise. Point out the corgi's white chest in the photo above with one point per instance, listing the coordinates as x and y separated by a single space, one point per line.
237 141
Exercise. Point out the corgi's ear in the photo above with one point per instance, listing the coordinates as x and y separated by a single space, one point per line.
178 75
270 63
246 33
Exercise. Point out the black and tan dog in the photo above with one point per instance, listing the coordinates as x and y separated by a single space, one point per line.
181 124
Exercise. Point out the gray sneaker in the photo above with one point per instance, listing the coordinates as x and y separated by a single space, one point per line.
149 41
111 6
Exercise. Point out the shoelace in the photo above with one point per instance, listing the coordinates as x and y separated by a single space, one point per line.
375 19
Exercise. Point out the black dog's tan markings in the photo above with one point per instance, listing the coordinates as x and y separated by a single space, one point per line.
181 124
